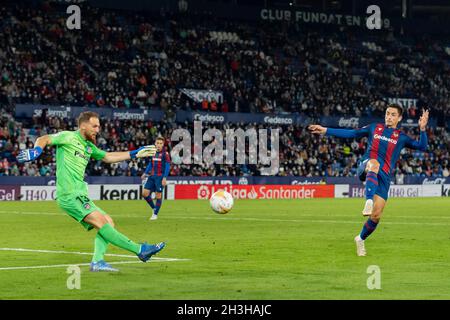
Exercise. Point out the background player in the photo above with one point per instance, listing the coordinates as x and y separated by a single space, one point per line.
73 152
155 177
376 166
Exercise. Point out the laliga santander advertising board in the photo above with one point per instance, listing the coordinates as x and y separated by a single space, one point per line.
255 191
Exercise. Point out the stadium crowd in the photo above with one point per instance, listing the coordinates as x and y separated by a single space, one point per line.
142 60
129 60
301 154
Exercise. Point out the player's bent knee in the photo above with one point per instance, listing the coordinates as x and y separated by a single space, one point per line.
145 193
96 219
376 216
109 220
158 195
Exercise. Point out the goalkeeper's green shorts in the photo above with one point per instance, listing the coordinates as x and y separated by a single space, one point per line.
78 207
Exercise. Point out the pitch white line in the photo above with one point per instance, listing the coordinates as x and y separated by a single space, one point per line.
86 253
35 213
65 265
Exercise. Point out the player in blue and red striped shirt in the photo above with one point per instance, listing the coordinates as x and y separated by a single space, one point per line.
155 177
385 142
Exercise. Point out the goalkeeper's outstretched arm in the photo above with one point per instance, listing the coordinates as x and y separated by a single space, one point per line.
113 157
42 141
34 153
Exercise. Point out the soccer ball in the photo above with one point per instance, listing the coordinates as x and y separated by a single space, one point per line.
221 201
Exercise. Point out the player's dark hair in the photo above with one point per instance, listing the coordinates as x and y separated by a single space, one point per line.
396 106
85 116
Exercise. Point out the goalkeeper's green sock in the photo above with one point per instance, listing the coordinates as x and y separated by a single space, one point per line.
119 240
100 246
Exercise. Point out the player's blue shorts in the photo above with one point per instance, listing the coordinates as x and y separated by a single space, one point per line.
384 180
153 183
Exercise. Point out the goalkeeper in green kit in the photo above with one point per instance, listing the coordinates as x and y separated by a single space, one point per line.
73 152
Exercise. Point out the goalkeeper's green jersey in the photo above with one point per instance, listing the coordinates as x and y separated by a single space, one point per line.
72 156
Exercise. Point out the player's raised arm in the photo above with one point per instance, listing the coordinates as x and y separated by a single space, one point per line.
422 144
340 133
34 153
145 151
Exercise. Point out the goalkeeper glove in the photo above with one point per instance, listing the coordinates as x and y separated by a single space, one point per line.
29 154
146 151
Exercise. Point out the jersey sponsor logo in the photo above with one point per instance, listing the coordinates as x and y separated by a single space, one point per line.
376 142
378 137
389 152
80 155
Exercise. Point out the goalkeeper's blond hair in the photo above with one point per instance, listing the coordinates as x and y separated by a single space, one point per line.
86 116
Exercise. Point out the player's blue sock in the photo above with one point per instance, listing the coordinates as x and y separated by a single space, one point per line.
150 201
157 206
368 228
371 184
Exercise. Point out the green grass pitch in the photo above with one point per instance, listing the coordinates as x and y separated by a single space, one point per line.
263 249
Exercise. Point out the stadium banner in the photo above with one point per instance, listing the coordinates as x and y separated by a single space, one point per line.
404 102
95 192
244 180
401 191
203 192
9 193
300 16
342 180
245 118
279 12
445 191
348 122
31 110
341 190
413 123
431 190
359 122
198 95
116 192
292 180
37 193
426 180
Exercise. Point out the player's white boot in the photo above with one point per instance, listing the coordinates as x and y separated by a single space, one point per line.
154 217
360 248
367 211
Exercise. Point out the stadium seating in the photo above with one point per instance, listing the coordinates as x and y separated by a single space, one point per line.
141 60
